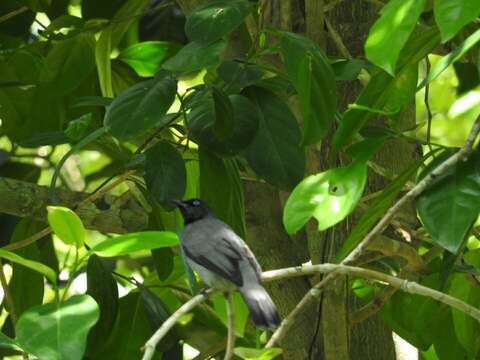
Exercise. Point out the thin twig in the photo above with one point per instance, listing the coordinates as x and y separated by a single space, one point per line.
151 344
47 230
231 327
310 296
427 105
8 296
13 13
337 40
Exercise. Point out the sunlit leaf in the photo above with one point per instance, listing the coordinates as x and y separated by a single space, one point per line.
391 31
130 243
58 331
328 197
452 15
257 354
66 225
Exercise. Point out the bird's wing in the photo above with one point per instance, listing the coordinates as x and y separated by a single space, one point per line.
222 252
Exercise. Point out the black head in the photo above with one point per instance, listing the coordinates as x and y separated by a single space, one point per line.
193 209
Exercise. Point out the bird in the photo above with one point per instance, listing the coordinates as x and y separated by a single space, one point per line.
224 261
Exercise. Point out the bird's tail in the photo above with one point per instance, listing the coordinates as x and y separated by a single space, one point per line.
263 310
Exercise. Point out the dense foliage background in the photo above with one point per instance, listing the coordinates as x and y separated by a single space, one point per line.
299 122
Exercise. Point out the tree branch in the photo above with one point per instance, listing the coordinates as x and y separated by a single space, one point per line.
461 155
151 344
281 274
102 212
231 327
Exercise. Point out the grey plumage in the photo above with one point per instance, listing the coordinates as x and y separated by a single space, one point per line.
224 261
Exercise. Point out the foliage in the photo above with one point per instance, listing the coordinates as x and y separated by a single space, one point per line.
84 98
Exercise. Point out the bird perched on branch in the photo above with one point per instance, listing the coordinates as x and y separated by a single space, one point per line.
224 261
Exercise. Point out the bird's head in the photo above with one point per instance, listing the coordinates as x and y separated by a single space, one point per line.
193 209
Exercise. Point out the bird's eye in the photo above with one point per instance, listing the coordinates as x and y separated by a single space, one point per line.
195 203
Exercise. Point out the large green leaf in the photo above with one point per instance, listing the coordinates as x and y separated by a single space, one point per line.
58 330
201 122
125 342
195 56
69 63
141 107
165 173
376 210
449 208
130 243
215 19
103 288
257 354
328 197
34 265
224 117
314 80
391 31
414 317
446 342
466 327
146 57
452 15
222 189
66 225
385 92
26 285
451 58
275 153
109 39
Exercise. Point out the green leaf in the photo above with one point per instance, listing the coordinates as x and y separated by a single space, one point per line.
451 58
9 343
467 328
238 75
125 342
58 330
386 92
449 208
452 15
415 317
201 122
34 265
195 56
88 101
109 39
348 70
224 117
76 128
69 63
376 210
257 354
314 80
103 289
66 225
275 153
215 19
129 243
146 57
165 173
26 285
446 342
328 196
163 262
240 310
222 189
141 107
391 31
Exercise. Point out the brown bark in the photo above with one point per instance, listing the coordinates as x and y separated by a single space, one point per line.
108 213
